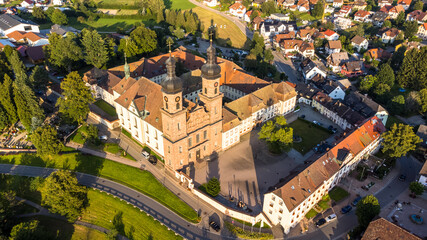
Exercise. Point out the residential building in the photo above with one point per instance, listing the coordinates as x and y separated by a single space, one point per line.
388 35
333 47
329 87
378 18
382 3
342 23
331 35
238 10
352 68
10 23
309 69
395 10
337 3
270 27
378 54
303 5
27 4
62 30
345 84
211 3
6 42
404 3
360 43
360 5
60 2
30 38
423 174
280 17
366 107
248 15
258 3
336 60
306 92
344 11
417 15
307 33
383 229
289 202
256 23
362 16
422 133
299 46
278 38
422 31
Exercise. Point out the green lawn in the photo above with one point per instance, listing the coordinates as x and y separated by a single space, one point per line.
311 135
142 181
182 4
337 194
246 234
311 214
107 108
79 135
324 203
104 24
257 225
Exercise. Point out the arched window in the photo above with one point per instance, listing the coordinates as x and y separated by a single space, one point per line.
216 90
177 106
206 91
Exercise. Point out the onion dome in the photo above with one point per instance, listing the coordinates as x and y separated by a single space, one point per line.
171 84
211 70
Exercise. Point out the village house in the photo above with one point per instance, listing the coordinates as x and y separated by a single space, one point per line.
248 15
27 4
329 87
270 27
310 69
383 229
307 33
337 3
278 38
335 60
378 54
256 23
306 49
362 16
344 11
306 92
352 68
211 3
360 43
342 23
422 31
404 3
333 47
378 18
388 35
417 15
290 201
280 17
423 172
331 35
303 6
395 10
61 2
257 3
365 106
382 3
360 5
238 10
11 23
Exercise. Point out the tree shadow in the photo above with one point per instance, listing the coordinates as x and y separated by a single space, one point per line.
32 160
118 223
87 163
168 4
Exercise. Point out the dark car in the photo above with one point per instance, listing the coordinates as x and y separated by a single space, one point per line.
402 178
356 200
346 209
320 222
302 116
152 159
214 226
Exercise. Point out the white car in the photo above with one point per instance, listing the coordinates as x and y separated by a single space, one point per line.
103 137
331 217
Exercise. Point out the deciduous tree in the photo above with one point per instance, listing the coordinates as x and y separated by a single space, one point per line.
63 52
411 28
38 13
45 139
423 100
399 140
386 75
145 39
318 9
29 231
128 46
418 5
7 211
278 136
62 194
367 83
367 208
95 50
416 187
58 17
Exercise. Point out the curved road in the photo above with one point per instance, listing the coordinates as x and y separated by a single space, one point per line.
245 30
408 166
144 203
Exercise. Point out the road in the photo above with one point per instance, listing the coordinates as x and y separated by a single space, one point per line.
408 166
287 67
245 30
146 204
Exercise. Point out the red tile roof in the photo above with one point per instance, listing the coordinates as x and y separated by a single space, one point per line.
383 229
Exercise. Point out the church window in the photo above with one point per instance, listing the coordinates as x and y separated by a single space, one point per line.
189 156
156 135
197 138
205 134
190 142
179 126
180 162
206 91
170 162
180 149
216 112
166 104
169 149
216 90
157 145
177 106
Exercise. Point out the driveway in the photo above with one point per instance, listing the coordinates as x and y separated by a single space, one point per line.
287 67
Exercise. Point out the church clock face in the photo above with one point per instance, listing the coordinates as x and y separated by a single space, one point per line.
166 99
216 84
177 99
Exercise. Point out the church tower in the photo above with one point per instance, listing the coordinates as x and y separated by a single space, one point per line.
173 118
212 97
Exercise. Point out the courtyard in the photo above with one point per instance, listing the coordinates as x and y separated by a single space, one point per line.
248 170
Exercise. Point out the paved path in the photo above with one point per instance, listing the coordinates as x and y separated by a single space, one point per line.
248 33
287 67
44 212
144 203
409 166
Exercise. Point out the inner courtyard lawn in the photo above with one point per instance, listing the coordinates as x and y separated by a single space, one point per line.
337 194
135 178
310 134
107 108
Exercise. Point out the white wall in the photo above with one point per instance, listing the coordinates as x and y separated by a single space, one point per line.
21 27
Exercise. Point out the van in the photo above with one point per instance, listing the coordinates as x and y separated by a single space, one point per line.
145 154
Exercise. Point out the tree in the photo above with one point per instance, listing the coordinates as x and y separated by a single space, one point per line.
367 83
268 7
18 67
382 90
39 79
4 120
6 99
386 75
253 15
95 50
58 17
38 13
7 209
29 231
387 24
145 39
397 104
400 18
45 139
413 101
318 9
128 47
77 97
398 56
399 140
367 208
27 105
412 72
213 187
411 28
418 5
63 52
416 188
423 100
62 193
277 135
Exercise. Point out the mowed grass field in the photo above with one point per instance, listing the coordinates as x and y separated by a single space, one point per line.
182 4
175 4
104 24
229 30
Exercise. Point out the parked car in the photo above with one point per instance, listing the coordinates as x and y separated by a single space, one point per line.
368 186
215 226
331 217
320 222
356 200
402 177
145 154
103 137
346 209
302 116
152 159
315 122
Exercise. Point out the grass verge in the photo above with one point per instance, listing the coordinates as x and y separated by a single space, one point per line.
107 108
311 214
135 178
240 233
337 194
257 225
